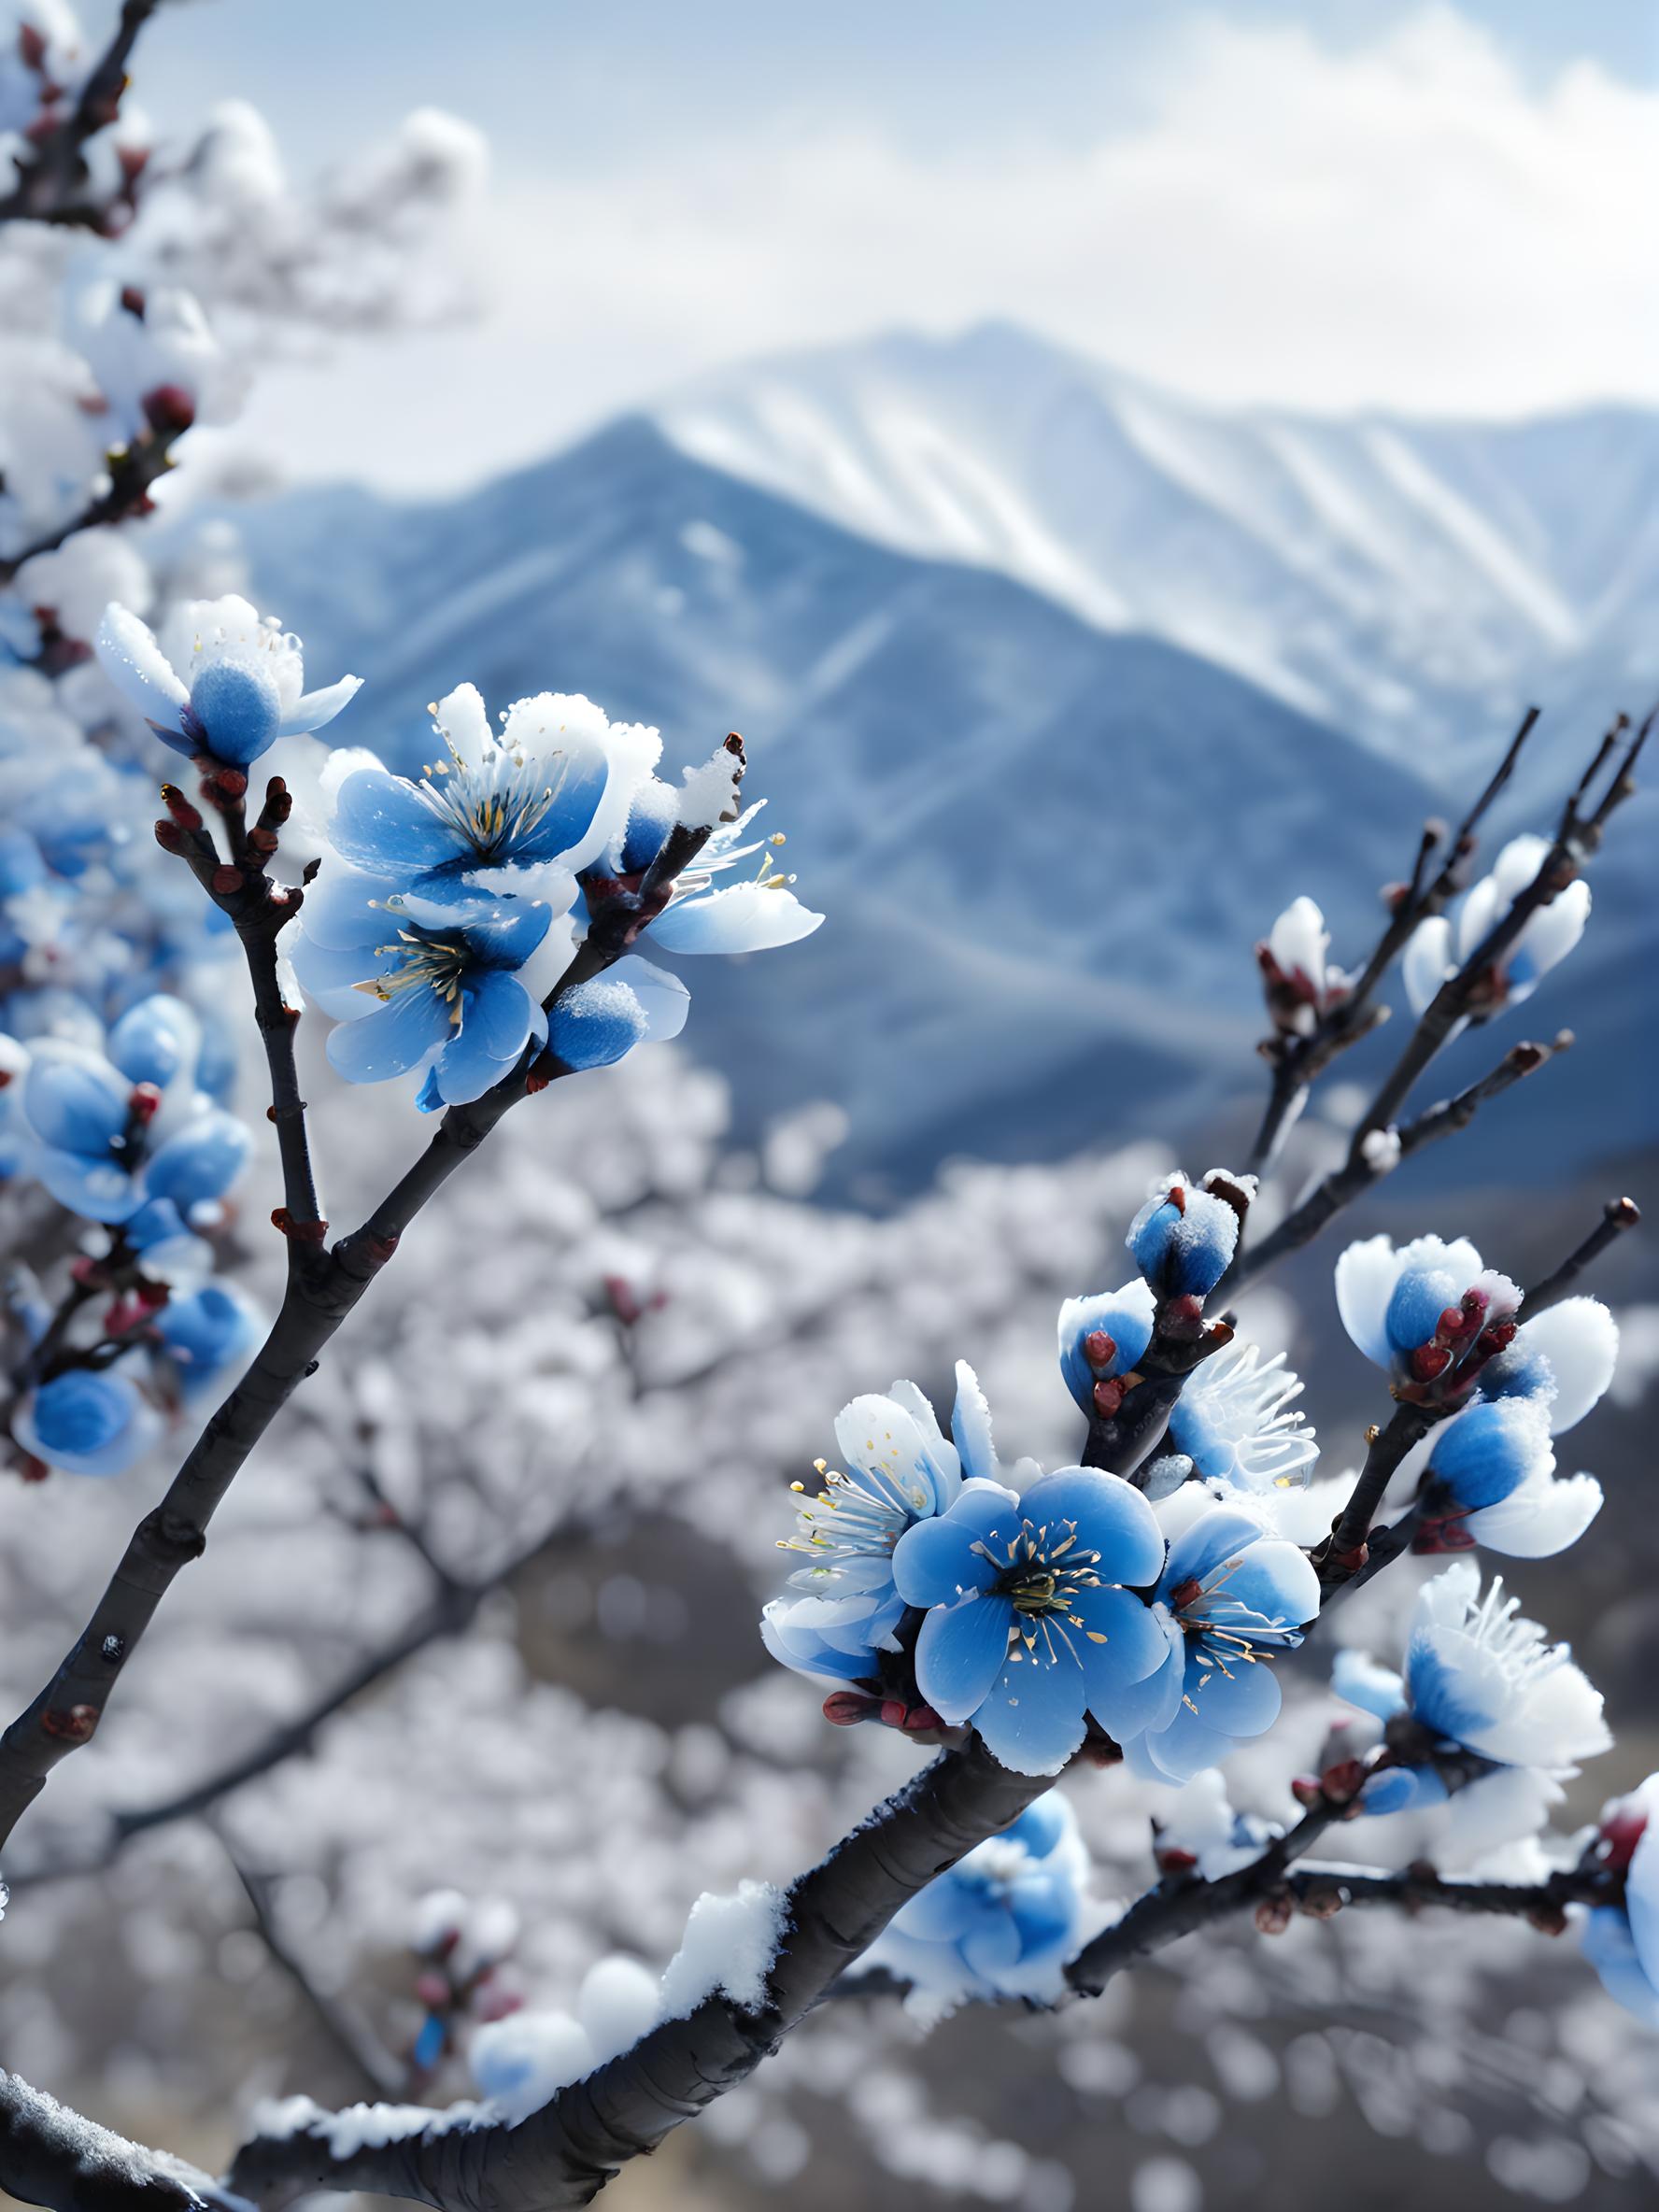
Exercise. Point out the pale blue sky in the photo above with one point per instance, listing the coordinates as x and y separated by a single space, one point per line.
1354 203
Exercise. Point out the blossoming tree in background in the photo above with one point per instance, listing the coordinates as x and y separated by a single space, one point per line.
474 935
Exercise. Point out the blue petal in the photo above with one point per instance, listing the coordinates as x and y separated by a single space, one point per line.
970 1427
330 975
1124 1315
494 1029
578 784
237 706
935 1561
1376 1690
1039 1827
1111 1517
89 1423
201 1162
960 1653
75 1099
1133 1647
1402 1788
1239 1698
1032 1720
154 1040
652 815
596 1024
389 1040
382 823
344 908
1200 1549
1271 1580
1610 1948
1153 1702
96 1189
1420 1297
508 931
1489 1450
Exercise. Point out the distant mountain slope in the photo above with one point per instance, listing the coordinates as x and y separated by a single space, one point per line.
1413 584
1037 843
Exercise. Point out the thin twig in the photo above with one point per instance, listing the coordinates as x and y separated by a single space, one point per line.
1618 1215
351 2035
318 1298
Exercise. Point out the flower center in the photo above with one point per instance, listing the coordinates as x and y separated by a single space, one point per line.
495 806
422 964
1033 1593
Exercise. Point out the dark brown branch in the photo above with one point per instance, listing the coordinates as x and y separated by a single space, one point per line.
1369 1159
1618 1215
51 2156
132 474
318 1298
53 175
380 2072
1299 1060
564 2154
450 1613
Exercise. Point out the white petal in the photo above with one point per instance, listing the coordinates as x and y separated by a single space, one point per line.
743 918
1427 961
1544 1515
135 664
664 997
1367 1273
1580 1339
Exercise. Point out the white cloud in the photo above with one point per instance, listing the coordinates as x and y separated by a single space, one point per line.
1411 224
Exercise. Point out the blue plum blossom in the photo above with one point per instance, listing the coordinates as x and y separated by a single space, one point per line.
1103 1338
702 915
1479 1678
1231 1596
1418 1312
900 1470
1032 1618
210 1334
1184 1238
448 991
86 1422
1236 1421
1003 1921
223 680
632 1002
1621 1941
1488 1475
517 812
17 1140
109 1137
1440 946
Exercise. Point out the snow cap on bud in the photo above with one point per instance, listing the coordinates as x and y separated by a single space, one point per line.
711 791
1185 1237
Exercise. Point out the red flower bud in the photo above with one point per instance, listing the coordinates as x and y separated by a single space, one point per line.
1100 1349
1342 1781
845 1708
1428 1361
1110 1396
169 410
225 880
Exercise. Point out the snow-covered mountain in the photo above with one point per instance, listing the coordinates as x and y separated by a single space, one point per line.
1040 837
1408 582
